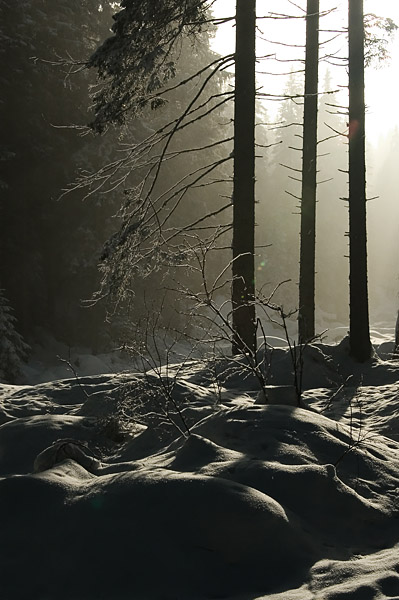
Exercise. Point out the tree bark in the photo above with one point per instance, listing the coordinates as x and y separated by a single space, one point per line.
243 245
306 317
359 329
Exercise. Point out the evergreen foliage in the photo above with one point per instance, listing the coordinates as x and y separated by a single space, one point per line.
13 349
176 178
41 239
49 248
378 33
139 58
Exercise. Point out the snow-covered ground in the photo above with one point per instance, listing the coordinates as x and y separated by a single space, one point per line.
190 485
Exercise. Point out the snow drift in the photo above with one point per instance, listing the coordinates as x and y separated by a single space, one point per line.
102 497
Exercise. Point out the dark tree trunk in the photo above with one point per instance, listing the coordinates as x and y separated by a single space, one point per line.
243 285
359 333
306 317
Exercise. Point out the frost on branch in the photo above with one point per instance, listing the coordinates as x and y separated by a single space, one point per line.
138 59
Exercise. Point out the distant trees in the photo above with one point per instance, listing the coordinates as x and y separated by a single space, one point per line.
278 192
49 248
42 241
332 268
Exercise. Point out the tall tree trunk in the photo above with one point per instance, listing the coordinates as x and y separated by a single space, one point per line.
306 317
359 333
243 285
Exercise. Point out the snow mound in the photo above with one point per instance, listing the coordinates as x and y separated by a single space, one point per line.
62 450
201 536
203 493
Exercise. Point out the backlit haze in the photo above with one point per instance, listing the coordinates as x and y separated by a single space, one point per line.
382 126
382 81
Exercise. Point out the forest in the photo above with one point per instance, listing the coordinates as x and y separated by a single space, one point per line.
50 273
199 294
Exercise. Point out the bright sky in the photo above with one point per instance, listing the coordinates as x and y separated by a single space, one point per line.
382 84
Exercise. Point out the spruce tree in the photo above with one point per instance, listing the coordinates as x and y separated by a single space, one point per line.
13 349
136 72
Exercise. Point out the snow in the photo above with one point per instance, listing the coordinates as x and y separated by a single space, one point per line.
190 485
54 360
